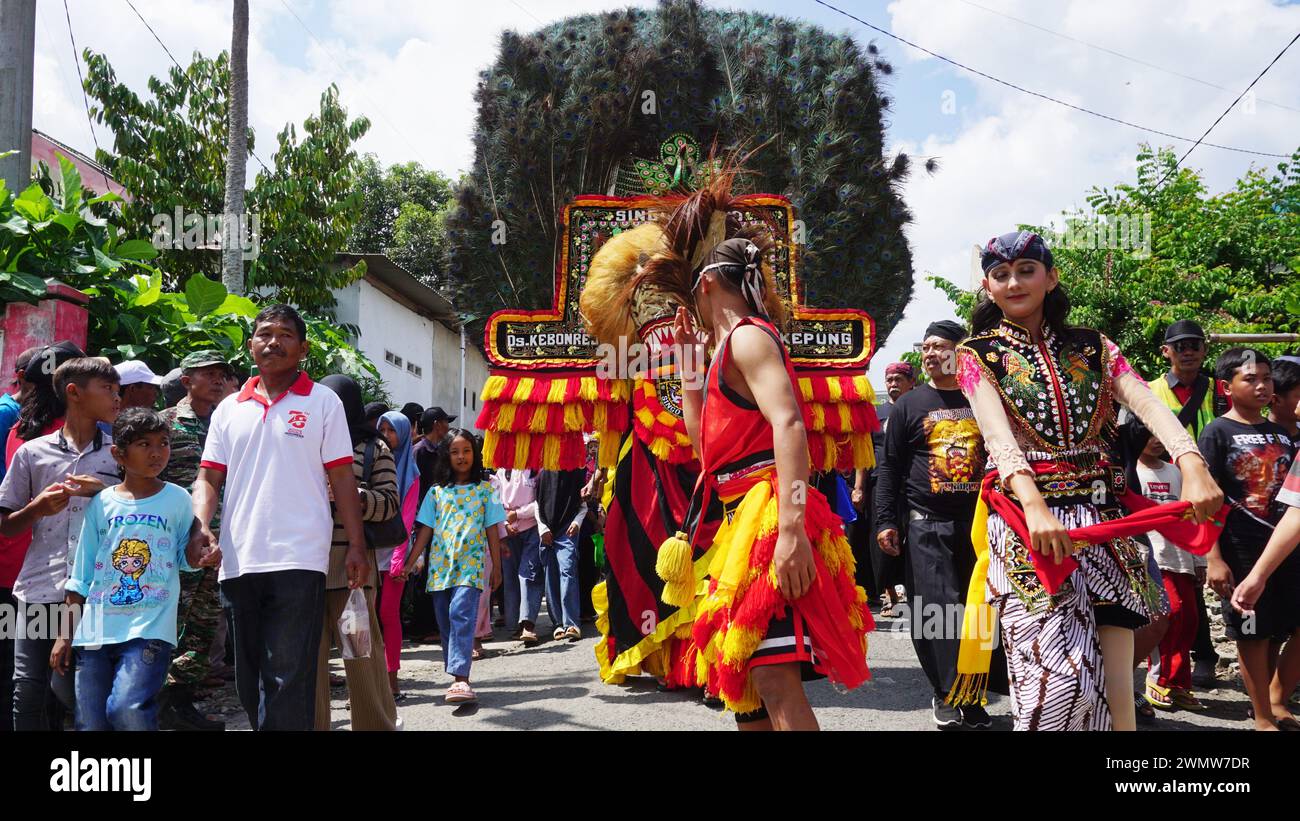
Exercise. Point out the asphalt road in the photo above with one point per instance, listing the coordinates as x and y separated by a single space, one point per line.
555 686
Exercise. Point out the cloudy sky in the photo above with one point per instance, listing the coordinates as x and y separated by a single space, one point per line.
1006 157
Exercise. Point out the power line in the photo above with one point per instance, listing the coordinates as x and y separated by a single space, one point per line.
1040 95
360 85
526 11
84 99
1217 120
1121 55
181 68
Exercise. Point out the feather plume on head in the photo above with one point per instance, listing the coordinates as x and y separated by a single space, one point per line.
645 273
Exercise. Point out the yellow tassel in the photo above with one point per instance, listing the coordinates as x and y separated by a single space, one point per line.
679 593
833 388
492 388
740 644
555 395
846 418
863 454
600 416
864 389
608 453
969 688
805 389
673 564
832 449
818 417
506 417
620 391
524 390
522 446
551 451
661 448
830 553
749 702
701 670
587 388
573 421
490 438
541 414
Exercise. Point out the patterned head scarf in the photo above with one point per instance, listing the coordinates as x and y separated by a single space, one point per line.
1014 246
903 368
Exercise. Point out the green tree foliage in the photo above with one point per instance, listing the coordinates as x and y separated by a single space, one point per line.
43 236
1230 261
169 152
913 358
131 314
403 214
565 110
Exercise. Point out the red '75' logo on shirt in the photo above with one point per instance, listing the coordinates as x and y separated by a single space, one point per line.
297 419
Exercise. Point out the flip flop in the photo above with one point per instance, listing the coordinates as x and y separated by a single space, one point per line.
460 693
1158 697
1288 724
1187 700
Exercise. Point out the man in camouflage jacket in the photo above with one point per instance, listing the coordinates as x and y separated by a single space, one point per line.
205 376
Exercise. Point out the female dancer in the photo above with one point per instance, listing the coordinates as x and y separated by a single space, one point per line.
1042 393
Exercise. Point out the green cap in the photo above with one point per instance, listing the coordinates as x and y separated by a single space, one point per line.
202 359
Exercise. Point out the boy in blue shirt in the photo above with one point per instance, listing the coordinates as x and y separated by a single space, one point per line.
125 582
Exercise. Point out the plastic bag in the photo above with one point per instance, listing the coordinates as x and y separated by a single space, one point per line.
354 627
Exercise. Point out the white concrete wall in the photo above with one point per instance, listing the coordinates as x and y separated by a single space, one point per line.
389 326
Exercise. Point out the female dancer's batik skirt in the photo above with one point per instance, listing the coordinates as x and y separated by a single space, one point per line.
1053 653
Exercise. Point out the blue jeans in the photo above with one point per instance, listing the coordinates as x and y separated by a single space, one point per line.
559 572
118 684
278 618
511 578
457 611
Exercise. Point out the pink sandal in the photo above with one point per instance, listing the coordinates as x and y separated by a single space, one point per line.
460 693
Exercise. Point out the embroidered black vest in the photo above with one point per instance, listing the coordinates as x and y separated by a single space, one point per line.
1057 396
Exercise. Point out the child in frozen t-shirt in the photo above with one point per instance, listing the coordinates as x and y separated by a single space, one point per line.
125 581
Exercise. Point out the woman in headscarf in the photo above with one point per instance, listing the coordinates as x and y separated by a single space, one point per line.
369 693
395 428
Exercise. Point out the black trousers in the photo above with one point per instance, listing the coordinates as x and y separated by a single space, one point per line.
279 617
940 559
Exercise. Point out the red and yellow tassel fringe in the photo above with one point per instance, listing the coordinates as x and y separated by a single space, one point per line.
743 599
840 415
662 431
537 421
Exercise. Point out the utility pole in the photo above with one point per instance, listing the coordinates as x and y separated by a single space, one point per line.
232 259
17 56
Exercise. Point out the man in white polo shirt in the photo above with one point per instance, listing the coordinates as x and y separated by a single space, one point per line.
280 447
